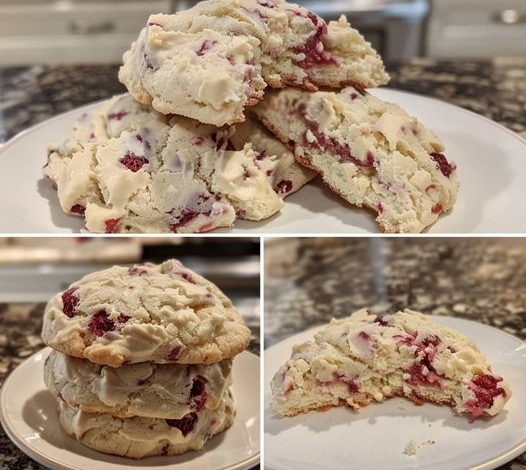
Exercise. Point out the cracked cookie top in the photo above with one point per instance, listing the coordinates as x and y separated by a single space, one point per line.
211 61
159 313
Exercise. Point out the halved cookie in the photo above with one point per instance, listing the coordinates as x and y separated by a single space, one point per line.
370 152
211 61
158 313
366 357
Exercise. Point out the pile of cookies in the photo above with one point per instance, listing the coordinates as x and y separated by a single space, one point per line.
200 141
142 359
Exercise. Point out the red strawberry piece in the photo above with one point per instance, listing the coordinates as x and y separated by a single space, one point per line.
364 335
186 424
313 48
206 46
332 145
137 271
117 116
283 187
185 218
198 393
174 354
78 209
437 209
380 320
133 162
101 323
485 389
112 225
70 302
443 165
351 384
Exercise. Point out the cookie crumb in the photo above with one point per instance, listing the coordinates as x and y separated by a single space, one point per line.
412 447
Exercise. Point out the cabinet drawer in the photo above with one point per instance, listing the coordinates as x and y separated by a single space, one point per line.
82 19
477 28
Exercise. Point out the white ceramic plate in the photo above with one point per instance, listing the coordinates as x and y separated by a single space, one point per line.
490 159
29 415
375 437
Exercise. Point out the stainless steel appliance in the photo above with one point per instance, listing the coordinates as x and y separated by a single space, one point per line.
395 28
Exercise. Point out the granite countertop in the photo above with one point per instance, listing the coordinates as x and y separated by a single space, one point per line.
20 327
308 281
494 88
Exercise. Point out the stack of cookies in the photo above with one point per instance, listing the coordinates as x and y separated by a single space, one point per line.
142 359
200 141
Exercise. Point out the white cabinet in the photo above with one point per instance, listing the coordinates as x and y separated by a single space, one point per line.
65 31
477 28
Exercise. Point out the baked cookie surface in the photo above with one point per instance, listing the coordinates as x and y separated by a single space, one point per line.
127 168
285 175
143 389
370 152
211 61
142 437
158 313
365 357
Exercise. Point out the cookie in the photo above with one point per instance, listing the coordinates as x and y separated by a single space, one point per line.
143 389
142 437
286 176
211 61
151 313
127 168
370 152
363 358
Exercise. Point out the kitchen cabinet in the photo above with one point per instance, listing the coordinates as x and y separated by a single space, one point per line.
63 31
477 28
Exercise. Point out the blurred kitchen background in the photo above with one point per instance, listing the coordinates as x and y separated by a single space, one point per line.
97 31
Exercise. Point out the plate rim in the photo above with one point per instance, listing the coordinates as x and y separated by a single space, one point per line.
23 133
468 111
20 443
491 464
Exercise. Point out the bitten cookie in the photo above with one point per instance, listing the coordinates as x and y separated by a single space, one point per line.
211 61
141 437
366 357
127 168
158 313
370 152
143 389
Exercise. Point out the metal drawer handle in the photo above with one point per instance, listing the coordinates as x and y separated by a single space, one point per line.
84 28
509 17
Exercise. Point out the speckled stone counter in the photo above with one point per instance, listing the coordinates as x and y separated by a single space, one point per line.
496 89
20 326
309 281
